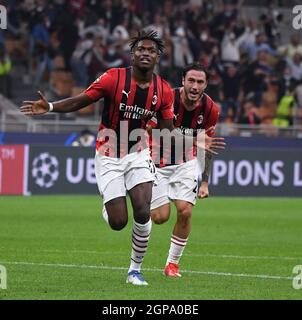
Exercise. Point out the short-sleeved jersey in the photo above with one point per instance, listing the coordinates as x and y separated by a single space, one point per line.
204 116
127 107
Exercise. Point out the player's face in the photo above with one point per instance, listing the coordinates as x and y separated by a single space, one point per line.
145 55
194 84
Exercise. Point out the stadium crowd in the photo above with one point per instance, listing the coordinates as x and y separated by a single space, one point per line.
255 76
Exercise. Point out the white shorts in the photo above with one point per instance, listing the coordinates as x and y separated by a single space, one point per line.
115 176
177 182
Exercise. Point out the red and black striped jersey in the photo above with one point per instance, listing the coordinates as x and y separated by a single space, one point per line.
127 107
204 116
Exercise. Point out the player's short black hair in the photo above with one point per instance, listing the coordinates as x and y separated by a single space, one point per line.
195 66
146 34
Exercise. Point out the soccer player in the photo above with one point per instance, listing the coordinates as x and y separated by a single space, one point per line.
193 110
132 96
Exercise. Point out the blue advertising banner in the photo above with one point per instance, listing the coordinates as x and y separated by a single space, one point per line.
235 172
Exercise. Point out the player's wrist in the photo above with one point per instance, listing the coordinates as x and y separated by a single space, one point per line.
50 107
204 178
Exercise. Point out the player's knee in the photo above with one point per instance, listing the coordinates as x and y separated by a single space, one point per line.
185 213
158 218
118 223
142 214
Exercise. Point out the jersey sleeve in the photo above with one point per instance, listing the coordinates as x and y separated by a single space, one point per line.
102 86
213 119
166 110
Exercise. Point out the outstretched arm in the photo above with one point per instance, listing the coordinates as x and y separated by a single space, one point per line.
41 106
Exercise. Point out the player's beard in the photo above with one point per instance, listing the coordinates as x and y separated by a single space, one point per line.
145 69
198 96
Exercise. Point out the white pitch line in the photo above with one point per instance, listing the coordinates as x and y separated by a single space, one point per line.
102 267
230 256
224 256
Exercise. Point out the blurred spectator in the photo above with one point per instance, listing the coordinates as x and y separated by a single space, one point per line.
260 44
249 113
120 32
98 64
166 62
271 22
254 77
159 25
115 55
295 66
231 87
85 139
269 98
5 68
81 59
293 47
227 15
230 47
40 48
215 82
284 113
287 82
98 30
77 7
65 24
181 51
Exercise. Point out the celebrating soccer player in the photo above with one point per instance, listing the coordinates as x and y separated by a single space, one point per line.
177 177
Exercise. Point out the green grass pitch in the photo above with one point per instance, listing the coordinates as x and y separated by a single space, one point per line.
57 247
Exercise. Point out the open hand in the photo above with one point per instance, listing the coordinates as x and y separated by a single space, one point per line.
33 108
210 144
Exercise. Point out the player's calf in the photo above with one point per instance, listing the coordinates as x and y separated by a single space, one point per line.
184 216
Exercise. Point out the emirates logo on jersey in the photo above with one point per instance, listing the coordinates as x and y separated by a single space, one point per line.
154 100
135 112
200 119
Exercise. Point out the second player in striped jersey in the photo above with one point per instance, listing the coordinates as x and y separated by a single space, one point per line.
177 177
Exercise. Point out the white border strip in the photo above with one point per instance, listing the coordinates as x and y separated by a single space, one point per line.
26 170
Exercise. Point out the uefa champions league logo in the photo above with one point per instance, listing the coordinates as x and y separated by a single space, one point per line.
45 170
3 17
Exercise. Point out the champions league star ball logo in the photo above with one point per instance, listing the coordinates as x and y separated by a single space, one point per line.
45 170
